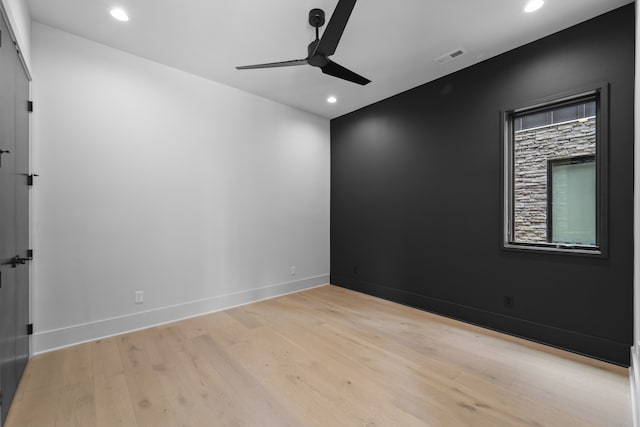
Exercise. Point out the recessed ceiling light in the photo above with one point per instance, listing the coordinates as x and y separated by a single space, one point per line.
119 14
332 100
533 5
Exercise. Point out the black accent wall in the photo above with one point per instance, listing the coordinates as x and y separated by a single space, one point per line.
416 197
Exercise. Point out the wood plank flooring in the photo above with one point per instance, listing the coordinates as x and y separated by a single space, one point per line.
322 357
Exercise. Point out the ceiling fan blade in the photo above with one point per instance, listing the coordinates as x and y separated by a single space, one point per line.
337 70
274 64
335 27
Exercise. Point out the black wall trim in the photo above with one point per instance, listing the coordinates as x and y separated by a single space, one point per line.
595 347
416 197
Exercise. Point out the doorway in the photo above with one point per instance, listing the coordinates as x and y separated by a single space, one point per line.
14 219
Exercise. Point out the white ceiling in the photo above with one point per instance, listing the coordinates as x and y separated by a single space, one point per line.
393 43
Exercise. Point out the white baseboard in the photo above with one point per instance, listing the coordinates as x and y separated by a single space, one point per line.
635 384
64 337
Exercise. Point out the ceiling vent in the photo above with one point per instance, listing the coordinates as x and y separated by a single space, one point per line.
451 55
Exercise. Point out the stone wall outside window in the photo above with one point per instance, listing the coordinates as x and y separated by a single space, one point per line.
531 152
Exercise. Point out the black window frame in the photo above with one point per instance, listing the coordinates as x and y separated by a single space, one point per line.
599 92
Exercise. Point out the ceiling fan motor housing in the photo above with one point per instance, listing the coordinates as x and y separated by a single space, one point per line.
313 58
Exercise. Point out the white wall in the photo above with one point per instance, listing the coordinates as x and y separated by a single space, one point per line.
153 179
20 21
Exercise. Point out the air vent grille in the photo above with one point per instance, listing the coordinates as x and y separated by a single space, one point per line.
451 55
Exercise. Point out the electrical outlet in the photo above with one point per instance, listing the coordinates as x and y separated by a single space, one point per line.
293 270
509 301
139 298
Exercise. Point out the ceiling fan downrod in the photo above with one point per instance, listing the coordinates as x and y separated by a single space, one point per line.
316 20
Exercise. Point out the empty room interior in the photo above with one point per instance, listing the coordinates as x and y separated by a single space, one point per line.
319 213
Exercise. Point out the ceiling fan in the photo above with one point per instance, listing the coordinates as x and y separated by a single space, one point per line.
320 49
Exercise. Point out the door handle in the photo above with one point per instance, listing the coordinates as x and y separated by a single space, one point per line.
19 260
1 153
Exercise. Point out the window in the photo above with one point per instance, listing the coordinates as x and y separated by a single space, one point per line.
555 163
571 194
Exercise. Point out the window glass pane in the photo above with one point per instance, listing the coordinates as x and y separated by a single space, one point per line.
536 119
565 114
573 202
590 108
517 124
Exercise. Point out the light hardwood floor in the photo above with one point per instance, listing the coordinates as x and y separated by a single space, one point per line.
322 357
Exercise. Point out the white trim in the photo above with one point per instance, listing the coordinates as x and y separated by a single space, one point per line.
11 25
636 203
634 371
54 339
634 377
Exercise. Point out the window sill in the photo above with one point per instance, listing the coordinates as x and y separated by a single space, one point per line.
551 248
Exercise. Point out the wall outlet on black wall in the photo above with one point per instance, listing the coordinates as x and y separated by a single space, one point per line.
355 270
509 301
